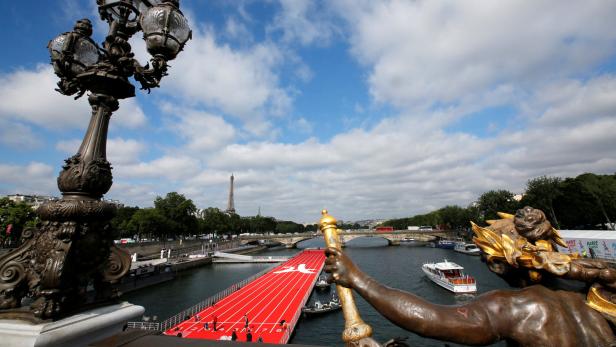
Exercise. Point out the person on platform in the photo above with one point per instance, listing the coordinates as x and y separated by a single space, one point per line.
234 335
246 321
248 336
206 326
532 316
214 323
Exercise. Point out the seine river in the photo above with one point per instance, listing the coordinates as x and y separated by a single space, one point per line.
398 267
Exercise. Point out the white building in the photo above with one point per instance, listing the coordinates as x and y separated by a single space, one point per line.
35 201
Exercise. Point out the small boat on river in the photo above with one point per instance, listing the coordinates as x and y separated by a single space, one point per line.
450 276
322 283
446 244
320 308
467 248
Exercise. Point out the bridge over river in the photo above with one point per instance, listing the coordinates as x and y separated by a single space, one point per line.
393 237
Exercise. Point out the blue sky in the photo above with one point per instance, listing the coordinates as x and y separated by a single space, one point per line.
372 109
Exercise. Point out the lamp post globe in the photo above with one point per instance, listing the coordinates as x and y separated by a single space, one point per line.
165 29
72 53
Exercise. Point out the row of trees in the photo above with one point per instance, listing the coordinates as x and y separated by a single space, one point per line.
175 216
587 201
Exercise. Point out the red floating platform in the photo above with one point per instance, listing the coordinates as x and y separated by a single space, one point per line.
272 303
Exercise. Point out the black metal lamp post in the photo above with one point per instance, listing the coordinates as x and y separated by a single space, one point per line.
72 248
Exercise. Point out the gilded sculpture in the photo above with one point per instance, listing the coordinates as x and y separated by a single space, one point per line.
520 248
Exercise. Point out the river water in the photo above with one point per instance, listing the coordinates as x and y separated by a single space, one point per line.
398 267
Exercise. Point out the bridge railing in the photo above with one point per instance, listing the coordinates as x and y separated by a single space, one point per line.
191 311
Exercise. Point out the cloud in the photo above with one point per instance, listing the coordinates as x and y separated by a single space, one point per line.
29 96
304 22
204 131
406 165
240 83
167 167
18 135
425 52
32 178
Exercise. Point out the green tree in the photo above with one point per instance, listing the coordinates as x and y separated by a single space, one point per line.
215 221
120 222
18 215
603 190
454 217
541 192
315 227
285 227
150 223
494 201
179 211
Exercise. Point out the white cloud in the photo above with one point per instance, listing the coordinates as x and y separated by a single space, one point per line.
241 83
304 22
32 178
29 96
423 52
169 167
18 135
204 131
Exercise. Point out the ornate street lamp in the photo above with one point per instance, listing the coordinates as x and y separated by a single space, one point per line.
72 247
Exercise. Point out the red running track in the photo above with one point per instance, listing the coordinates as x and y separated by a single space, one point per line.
267 301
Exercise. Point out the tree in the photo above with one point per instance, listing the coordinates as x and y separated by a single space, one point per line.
215 221
179 211
603 190
288 227
541 193
149 222
494 201
18 216
120 222
454 217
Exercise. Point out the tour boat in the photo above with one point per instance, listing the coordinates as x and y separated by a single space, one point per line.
450 276
467 248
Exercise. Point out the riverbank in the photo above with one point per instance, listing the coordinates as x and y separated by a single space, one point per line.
148 273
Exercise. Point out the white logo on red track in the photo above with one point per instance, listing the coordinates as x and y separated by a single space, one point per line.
300 268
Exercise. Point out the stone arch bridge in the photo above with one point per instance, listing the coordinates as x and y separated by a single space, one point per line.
393 237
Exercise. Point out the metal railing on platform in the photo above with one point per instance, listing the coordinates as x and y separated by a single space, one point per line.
191 311
144 325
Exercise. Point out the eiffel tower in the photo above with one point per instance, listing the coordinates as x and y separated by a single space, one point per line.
231 205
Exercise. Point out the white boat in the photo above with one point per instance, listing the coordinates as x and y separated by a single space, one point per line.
467 248
450 276
322 283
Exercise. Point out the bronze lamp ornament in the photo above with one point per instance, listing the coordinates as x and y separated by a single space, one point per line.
72 247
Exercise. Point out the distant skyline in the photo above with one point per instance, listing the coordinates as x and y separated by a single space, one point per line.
371 109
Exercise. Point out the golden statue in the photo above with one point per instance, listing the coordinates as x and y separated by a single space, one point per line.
527 241
521 249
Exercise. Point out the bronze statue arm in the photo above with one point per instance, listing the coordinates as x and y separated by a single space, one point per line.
468 324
